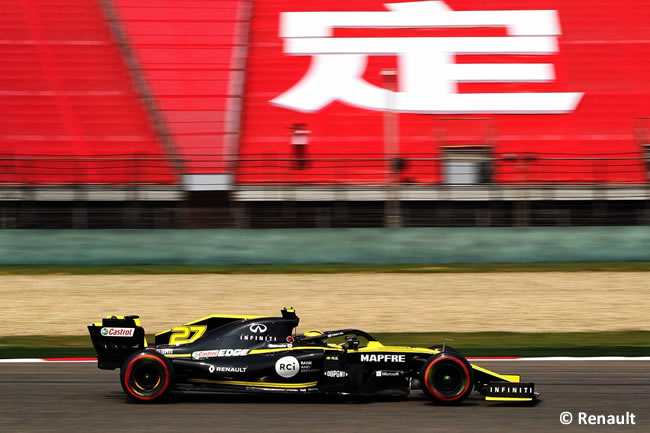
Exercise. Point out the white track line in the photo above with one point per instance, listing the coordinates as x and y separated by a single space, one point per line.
22 360
550 358
587 358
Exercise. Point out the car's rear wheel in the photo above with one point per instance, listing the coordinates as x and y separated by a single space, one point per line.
146 377
447 378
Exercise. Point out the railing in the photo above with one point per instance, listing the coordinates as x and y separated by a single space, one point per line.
137 191
277 170
521 169
117 170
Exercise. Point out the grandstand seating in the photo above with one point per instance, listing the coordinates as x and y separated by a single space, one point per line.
116 92
70 111
187 51
602 53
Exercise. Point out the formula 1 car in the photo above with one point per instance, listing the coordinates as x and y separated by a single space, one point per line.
232 353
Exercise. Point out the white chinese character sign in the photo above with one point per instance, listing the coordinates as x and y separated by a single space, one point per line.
552 78
428 74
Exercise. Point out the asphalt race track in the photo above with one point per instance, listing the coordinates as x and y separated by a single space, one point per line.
77 397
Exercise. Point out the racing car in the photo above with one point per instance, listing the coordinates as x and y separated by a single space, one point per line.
251 354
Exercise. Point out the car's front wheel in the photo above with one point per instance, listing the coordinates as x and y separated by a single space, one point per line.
146 376
447 378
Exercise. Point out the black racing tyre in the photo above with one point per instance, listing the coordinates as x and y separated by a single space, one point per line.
147 377
447 348
447 378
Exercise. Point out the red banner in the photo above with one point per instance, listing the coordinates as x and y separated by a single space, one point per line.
538 85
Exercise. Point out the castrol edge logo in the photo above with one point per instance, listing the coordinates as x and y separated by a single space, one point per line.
117 332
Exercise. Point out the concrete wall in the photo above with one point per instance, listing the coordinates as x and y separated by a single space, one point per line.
381 245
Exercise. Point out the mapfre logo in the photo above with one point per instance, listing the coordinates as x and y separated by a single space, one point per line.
428 75
383 358
257 328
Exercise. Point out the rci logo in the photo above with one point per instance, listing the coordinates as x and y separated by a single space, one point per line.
287 366
258 328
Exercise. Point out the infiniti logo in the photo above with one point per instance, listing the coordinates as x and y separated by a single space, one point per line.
258 328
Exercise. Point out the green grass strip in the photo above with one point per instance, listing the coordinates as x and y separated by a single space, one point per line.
618 343
324 269
40 346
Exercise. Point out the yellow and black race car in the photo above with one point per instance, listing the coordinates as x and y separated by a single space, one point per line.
231 353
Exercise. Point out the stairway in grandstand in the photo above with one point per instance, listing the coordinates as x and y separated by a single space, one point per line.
192 54
71 112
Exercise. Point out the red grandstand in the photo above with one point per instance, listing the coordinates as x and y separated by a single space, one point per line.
70 111
143 92
597 53
117 93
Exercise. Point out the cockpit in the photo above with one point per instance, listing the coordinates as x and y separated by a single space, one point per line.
345 338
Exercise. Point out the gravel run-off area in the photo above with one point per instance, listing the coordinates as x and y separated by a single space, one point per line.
380 302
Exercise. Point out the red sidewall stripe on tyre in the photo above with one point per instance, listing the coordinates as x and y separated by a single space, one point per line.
127 376
433 391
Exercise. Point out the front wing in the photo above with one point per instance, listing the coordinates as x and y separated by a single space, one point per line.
503 387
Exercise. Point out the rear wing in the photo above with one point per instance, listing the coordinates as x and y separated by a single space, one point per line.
115 339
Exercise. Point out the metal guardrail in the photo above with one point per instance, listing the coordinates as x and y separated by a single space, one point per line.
351 170
139 191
